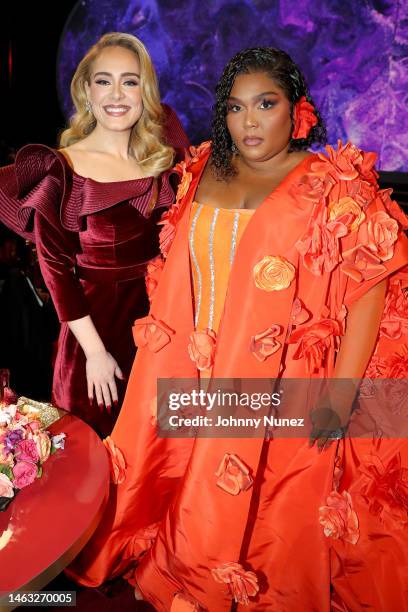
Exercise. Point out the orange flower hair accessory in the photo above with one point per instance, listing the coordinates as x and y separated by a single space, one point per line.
304 118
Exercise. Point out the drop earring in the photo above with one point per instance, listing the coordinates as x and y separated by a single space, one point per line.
88 106
234 148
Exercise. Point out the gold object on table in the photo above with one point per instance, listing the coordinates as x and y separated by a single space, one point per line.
47 413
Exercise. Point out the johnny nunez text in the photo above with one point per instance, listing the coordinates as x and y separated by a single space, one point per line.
230 421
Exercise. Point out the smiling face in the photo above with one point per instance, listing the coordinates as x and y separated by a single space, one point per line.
114 89
258 117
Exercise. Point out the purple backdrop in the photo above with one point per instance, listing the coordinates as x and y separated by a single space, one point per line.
354 55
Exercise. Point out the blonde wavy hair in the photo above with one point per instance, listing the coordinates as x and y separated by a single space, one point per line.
146 143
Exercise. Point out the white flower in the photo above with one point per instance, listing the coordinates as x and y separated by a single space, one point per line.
58 441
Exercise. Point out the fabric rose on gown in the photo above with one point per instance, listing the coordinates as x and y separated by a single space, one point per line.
273 273
346 163
394 322
152 333
241 584
233 475
348 211
264 344
169 221
315 340
312 187
202 348
116 460
359 263
319 247
339 519
385 489
382 233
154 270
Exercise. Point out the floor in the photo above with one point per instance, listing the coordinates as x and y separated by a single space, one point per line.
116 596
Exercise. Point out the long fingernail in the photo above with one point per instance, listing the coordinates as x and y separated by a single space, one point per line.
109 408
100 406
115 403
90 401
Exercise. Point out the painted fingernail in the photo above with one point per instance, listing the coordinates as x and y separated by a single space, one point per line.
100 406
108 407
115 403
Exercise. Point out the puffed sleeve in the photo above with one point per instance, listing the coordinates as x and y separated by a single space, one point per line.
174 132
32 195
379 248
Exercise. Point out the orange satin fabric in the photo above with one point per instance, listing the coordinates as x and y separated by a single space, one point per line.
214 236
180 535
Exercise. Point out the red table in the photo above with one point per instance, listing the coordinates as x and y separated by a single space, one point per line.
53 518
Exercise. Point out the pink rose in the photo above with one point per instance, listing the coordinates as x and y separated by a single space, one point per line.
6 486
339 518
382 233
43 444
25 472
202 348
241 584
26 450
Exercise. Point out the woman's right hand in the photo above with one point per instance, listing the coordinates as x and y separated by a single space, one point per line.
101 369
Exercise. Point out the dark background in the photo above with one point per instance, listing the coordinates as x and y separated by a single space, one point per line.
29 35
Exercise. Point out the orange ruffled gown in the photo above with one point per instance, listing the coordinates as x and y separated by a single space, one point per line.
302 530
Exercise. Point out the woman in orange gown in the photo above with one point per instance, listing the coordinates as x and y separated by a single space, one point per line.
277 263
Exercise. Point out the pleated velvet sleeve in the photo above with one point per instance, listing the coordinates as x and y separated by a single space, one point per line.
33 193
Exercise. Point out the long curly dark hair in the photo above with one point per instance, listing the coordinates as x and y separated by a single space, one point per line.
282 69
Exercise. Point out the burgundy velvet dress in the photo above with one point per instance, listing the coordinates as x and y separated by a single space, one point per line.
94 241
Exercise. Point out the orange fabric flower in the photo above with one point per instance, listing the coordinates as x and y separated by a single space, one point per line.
202 348
241 584
347 211
386 489
273 273
339 519
313 187
195 153
233 475
168 220
382 234
152 333
264 344
117 461
304 118
315 340
345 163
319 246
394 322
154 270
361 264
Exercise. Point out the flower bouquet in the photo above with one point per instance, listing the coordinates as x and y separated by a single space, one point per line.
25 445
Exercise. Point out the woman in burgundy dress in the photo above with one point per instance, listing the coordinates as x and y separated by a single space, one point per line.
92 208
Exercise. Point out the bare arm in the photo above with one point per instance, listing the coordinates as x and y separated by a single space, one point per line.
363 322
